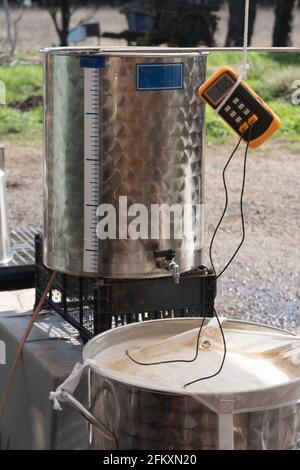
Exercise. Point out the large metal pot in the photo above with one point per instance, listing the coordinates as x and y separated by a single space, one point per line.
120 123
126 415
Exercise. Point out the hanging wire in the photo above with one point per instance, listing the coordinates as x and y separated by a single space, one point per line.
242 70
246 37
236 251
225 207
241 206
171 361
223 358
11 377
243 74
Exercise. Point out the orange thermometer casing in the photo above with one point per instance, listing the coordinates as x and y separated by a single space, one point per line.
243 109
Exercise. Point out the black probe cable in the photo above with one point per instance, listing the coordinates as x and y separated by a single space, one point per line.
210 255
225 207
171 360
223 358
223 270
236 251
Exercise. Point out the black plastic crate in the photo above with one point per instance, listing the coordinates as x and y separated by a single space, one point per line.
96 305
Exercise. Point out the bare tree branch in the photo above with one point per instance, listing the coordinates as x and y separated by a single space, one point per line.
11 27
9 32
61 13
53 13
15 27
88 17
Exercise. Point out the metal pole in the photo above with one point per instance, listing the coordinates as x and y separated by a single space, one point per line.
175 50
196 49
2 159
5 244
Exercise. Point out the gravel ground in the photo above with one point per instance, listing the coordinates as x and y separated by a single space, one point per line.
262 283
24 182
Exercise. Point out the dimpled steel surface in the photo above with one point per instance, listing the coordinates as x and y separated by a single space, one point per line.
150 151
157 421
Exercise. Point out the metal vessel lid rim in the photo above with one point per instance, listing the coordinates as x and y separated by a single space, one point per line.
124 51
107 373
148 50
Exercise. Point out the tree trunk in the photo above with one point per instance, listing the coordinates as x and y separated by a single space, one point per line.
65 22
9 26
235 33
283 23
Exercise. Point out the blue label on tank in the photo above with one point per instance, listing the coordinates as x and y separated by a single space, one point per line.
159 76
92 62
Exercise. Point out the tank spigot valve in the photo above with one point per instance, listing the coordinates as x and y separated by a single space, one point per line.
168 262
173 266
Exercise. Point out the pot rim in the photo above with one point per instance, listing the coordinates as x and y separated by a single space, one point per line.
157 389
125 51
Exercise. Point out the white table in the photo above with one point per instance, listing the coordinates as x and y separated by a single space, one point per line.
49 355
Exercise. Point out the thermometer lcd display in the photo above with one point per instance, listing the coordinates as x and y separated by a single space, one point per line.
219 88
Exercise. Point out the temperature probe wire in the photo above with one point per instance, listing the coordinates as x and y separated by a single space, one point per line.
223 358
173 361
226 206
237 249
170 361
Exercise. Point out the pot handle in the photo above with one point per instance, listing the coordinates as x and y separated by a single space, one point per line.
69 398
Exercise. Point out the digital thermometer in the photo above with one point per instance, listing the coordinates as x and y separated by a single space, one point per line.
243 109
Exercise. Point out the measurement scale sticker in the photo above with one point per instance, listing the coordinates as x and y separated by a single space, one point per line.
160 76
91 163
92 62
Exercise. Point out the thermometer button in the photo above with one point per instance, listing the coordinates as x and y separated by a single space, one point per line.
243 127
252 119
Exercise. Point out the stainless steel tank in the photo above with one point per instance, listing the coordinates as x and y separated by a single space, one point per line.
127 412
120 123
